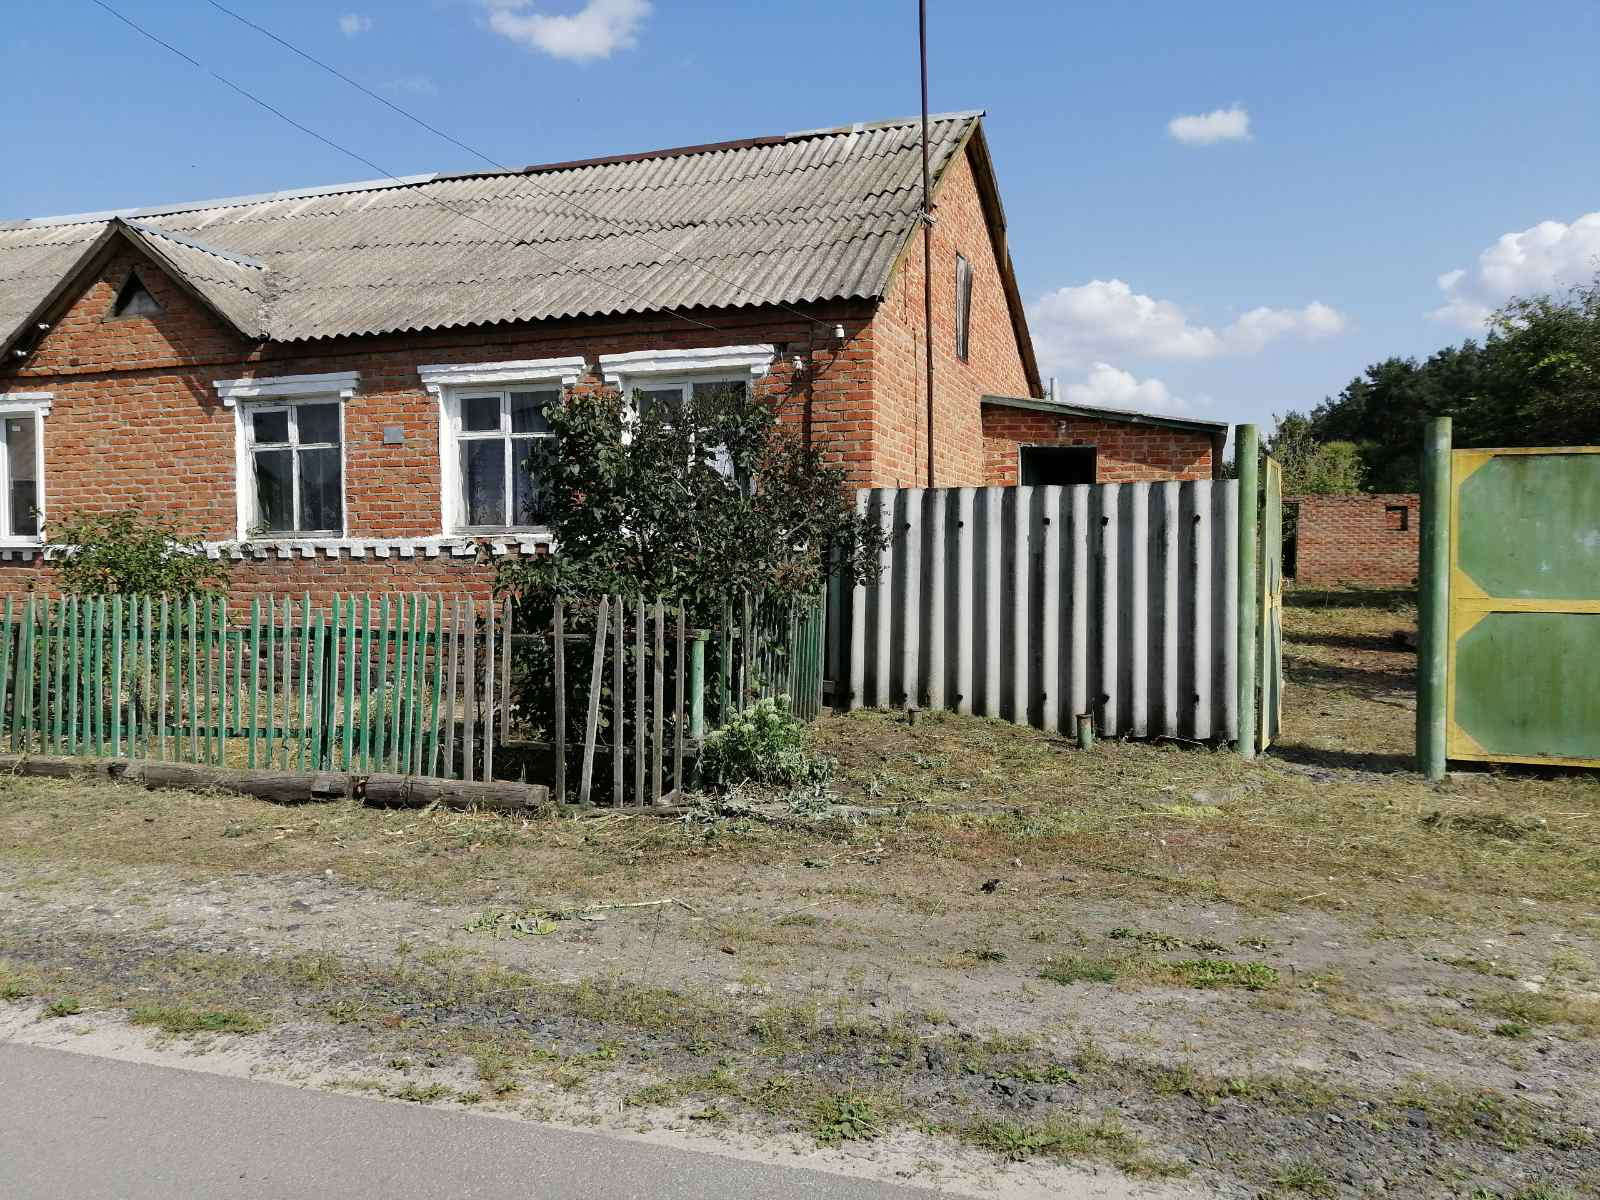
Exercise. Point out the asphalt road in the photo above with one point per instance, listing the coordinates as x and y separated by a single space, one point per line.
79 1127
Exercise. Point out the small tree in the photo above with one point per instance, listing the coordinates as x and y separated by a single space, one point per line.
1311 467
130 553
698 500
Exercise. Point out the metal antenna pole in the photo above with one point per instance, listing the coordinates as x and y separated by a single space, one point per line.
927 229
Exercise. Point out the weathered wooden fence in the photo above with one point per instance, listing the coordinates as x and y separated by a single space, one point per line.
425 685
651 684
1037 604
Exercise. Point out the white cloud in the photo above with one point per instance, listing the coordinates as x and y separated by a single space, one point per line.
1106 386
1547 257
597 30
1252 331
1105 318
1206 129
353 23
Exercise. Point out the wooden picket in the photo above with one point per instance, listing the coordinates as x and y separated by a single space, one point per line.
412 684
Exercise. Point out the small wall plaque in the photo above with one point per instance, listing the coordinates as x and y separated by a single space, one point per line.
394 435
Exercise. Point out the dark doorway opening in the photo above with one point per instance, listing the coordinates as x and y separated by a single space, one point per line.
1063 465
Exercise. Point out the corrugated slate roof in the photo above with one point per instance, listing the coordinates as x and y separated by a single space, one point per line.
820 215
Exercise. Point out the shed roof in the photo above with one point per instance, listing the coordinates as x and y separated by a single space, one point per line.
1096 412
813 216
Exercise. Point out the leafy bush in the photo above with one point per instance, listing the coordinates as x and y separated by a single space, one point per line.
765 744
699 500
131 553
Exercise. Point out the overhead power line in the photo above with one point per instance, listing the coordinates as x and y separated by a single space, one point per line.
494 162
367 162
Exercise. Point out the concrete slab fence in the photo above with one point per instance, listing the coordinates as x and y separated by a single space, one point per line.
1036 604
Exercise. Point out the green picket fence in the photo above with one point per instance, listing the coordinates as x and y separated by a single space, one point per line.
410 684
356 685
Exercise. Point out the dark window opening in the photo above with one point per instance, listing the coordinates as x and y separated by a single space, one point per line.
1291 539
135 300
963 307
1060 465
1396 517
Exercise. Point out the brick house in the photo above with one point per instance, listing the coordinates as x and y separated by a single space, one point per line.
328 385
1366 539
1042 441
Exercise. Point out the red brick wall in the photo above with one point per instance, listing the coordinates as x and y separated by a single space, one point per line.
1125 452
994 365
1353 539
136 421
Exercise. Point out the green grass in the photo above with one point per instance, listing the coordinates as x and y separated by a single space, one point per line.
1305 1178
845 1118
1079 970
63 1006
1017 1142
1150 939
1216 972
178 1018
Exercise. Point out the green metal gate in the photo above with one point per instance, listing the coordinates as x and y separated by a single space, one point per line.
1523 670
1270 600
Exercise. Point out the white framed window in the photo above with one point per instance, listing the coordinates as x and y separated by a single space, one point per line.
493 438
290 454
22 467
675 377
502 439
675 394
296 468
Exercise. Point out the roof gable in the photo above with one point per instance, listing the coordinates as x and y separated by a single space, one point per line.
232 288
994 212
808 217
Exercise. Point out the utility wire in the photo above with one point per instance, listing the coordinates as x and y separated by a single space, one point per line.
367 162
494 162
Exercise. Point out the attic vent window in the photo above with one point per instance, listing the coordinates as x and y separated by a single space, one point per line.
135 300
963 307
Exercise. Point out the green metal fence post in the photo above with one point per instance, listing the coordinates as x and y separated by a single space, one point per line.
348 652
697 686
255 679
5 660
116 676
74 637
24 677
1433 599
303 730
1245 454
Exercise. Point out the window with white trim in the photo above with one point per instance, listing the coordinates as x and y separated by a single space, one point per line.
494 442
502 443
296 454
289 453
675 395
21 473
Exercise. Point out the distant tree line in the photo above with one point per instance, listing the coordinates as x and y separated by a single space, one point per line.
1534 380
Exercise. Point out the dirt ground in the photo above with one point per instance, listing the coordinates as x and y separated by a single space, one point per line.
989 961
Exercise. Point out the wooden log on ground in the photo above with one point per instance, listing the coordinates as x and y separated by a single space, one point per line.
279 787
290 787
410 791
51 767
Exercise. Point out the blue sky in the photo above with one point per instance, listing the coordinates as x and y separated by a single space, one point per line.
1338 162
